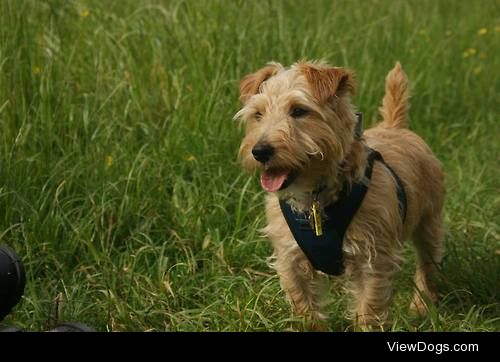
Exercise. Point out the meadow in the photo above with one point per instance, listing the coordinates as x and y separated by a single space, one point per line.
119 182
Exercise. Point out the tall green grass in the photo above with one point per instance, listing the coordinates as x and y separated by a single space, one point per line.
119 185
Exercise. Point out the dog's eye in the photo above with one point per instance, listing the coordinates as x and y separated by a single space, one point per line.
258 116
298 112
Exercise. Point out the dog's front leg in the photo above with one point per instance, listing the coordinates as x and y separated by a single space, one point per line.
303 285
374 291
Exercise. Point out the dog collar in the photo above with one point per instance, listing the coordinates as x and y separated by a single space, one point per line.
320 234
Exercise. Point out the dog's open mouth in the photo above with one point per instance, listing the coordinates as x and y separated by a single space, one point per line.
275 180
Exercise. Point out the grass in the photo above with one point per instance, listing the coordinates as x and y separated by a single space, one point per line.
119 185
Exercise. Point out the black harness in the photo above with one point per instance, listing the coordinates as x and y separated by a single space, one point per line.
324 251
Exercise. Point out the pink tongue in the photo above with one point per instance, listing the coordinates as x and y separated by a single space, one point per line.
272 182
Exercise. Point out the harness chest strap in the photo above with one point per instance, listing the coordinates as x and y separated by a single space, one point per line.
324 249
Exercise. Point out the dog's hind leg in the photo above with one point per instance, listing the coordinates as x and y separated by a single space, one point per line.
429 243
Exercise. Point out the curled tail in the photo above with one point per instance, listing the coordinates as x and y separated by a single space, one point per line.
395 104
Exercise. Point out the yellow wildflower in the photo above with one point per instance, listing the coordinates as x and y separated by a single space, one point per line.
469 52
108 160
476 70
84 13
482 31
190 158
36 70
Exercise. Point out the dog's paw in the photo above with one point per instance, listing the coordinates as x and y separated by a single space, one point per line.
422 303
419 307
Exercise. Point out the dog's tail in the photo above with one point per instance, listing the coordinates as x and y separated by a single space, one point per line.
395 104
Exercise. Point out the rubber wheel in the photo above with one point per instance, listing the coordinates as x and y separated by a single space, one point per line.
12 280
72 327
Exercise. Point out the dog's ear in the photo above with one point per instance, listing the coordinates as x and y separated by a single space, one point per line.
251 83
327 82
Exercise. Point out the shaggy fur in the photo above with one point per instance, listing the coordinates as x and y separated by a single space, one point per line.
319 148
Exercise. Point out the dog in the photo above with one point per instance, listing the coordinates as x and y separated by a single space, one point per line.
301 136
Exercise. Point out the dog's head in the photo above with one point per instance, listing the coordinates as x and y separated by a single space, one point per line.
299 123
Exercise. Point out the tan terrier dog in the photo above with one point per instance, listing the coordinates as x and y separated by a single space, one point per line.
301 135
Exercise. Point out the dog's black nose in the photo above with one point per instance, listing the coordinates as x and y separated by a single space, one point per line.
262 152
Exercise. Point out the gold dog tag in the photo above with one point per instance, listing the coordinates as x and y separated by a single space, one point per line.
316 218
